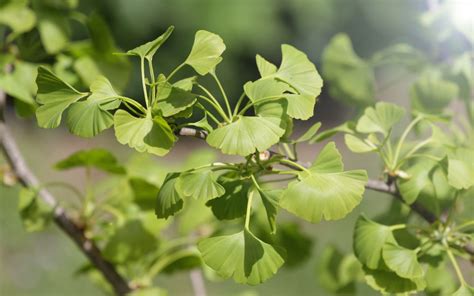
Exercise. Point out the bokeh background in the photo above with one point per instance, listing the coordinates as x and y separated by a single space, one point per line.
45 263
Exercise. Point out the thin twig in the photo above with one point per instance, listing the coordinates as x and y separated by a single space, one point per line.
76 233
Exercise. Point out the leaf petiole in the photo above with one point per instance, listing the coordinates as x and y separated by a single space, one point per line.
224 95
142 71
239 102
216 106
403 137
454 263
175 71
249 209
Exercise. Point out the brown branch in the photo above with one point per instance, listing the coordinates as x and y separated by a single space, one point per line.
28 179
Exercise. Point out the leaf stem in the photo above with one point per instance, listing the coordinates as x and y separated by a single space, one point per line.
249 210
403 137
455 264
288 151
175 71
216 107
133 103
255 182
239 102
208 113
294 164
397 226
464 225
224 95
153 82
145 92
413 150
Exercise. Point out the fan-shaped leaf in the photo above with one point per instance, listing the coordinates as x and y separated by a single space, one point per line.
169 201
380 118
418 178
54 96
241 256
402 261
201 184
97 158
431 93
461 168
233 203
148 50
265 68
325 191
174 98
206 52
388 282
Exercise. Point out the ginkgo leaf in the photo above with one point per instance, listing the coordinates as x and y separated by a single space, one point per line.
35 214
270 200
248 134
54 96
242 256
206 52
97 158
17 15
388 282
233 203
90 117
380 118
264 88
418 177
144 134
464 290
369 240
358 145
299 72
174 98
325 191
148 50
431 93
265 68
169 201
201 184
461 168
402 261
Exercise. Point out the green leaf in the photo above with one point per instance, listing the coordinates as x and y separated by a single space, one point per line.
248 134
201 184
464 290
97 158
265 68
270 200
174 98
461 168
358 145
350 78
418 178
233 203
346 127
206 52
369 240
53 27
264 88
148 50
169 201
17 15
144 193
241 256
325 191
310 133
298 245
90 117
20 83
388 282
55 96
35 214
402 261
149 291
431 94
380 119
145 134
131 242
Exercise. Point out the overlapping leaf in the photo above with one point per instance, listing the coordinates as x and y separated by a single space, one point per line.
201 184
402 261
325 190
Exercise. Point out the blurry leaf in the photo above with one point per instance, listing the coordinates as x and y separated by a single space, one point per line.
55 96
346 127
148 50
418 178
53 26
464 290
233 203
246 259
350 78
369 240
144 193
35 214
203 123
461 73
389 282
380 119
400 54
90 117
431 93
461 168
131 242
201 184
206 52
143 133
402 261
325 190
150 291
17 15
20 84
310 133
265 68
248 134
191 260
358 145
97 158
100 34
297 244
169 201
439 281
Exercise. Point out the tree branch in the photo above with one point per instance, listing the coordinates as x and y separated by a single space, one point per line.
28 179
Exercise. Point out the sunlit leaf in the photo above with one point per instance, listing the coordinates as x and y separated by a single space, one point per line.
206 52
265 68
464 290
17 15
310 133
325 190
358 145
241 256
174 98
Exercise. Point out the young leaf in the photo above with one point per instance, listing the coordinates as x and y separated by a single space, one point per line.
369 240
148 50
90 117
461 168
200 185
380 118
247 134
169 201
35 214
97 158
241 256
54 96
388 282
402 261
325 191
265 68
152 135
206 52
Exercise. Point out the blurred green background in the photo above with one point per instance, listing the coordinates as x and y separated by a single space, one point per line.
45 263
